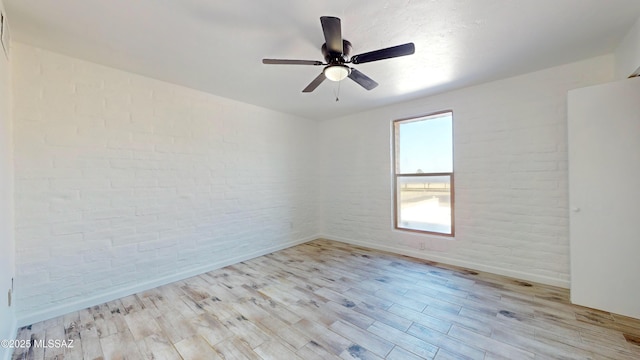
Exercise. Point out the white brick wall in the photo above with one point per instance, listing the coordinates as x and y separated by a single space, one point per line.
124 182
510 154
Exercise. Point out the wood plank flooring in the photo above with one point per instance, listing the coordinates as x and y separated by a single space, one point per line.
328 300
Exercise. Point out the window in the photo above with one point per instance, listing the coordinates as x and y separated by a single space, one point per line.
423 172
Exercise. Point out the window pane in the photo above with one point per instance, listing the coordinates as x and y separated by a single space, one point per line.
424 203
425 146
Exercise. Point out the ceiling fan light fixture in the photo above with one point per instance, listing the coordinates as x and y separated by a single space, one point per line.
336 72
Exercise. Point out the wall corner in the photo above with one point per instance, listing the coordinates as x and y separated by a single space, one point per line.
627 54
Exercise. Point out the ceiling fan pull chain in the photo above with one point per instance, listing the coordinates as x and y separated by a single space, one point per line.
338 92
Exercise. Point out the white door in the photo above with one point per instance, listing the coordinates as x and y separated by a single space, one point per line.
604 196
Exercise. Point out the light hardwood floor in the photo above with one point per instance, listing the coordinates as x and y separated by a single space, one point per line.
328 300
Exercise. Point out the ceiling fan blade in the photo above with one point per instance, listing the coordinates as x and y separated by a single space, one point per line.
362 79
390 52
314 84
332 33
291 62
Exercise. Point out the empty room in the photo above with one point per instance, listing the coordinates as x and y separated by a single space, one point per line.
447 179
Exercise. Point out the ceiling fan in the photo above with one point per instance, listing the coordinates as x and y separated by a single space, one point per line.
336 53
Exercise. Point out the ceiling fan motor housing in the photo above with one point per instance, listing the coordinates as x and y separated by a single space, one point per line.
333 58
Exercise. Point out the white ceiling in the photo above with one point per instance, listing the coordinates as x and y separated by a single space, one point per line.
217 46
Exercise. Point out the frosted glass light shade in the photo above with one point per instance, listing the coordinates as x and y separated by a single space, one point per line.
336 72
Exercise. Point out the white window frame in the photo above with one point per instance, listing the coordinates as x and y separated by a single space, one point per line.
397 175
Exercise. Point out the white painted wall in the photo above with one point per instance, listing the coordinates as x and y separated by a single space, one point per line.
125 182
510 152
627 53
7 250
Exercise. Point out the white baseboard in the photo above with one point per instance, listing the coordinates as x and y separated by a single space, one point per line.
136 288
456 262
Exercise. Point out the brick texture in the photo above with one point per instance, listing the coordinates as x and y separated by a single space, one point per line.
510 162
122 180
